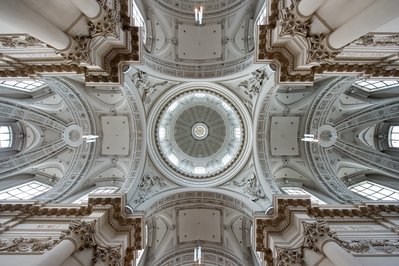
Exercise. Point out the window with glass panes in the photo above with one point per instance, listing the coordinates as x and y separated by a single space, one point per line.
5 137
99 190
301 191
393 137
23 192
375 191
376 84
24 84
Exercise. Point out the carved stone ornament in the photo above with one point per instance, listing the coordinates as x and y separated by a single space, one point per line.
105 26
315 234
318 51
378 40
292 24
149 185
79 52
371 246
81 233
251 187
20 41
289 257
252 86
30 245
109 255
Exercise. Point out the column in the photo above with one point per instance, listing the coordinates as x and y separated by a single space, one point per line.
21 17
307 7
374 16
90 8
58 255
337 255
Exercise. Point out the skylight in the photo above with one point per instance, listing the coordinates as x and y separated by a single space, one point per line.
25 191
301 191
375 191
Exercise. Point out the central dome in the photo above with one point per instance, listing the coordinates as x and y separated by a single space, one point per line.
199 134
200 131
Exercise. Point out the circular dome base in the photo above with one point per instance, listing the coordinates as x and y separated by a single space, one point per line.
199 134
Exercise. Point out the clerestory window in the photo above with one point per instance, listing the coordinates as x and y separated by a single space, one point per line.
24 84
301 191
375 191
393 137
25 191
5 137
99 190
374 85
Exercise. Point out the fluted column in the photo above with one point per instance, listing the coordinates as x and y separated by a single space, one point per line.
90 8
58 255
375 15
308 7
21 17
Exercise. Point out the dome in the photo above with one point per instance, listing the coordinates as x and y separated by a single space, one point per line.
199 133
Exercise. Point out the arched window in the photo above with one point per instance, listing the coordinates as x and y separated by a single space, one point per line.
393 137
99 190
301 191
5 137
25 191
375 191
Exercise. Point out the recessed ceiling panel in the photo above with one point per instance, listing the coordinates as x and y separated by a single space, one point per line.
115 139
199 42
284 135
199 224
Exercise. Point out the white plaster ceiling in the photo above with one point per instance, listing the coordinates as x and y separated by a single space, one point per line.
284 135
199 224
115 139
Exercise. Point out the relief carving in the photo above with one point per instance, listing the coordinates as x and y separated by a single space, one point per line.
251 187
371 246
252 86
149 185
378 40
20 41
27 245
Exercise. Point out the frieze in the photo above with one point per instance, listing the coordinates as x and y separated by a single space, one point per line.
31 245
20 41
378 40
378 246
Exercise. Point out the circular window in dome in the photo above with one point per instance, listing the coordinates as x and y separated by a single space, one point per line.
198 133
